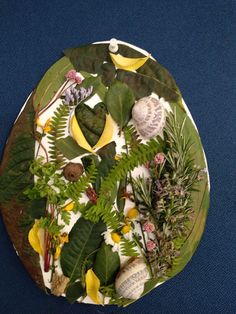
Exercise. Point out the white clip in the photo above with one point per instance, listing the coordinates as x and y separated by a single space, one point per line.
113 47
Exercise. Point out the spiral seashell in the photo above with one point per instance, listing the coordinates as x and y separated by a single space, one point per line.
149 116
131 278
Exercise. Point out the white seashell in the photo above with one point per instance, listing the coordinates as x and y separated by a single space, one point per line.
131 278
149 116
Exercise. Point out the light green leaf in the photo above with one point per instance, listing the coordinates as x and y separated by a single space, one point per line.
69 148
84 239
119 101
51 82
107 265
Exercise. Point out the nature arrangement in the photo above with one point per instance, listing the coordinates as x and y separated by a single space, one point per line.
111 174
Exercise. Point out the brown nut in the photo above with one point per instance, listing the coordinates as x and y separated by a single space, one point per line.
72 171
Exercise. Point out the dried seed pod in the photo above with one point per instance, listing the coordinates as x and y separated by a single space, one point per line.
149 116
131 278
72 171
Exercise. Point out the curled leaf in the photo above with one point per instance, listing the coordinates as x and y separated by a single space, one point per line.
128 64
35 238
92 286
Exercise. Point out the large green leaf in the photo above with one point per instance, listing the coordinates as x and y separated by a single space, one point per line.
106 265
69 147
51 82
119 101
84 239
143 85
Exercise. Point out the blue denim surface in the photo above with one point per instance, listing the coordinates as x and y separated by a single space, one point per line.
195 40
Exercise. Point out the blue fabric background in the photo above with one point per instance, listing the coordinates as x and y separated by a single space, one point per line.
195 40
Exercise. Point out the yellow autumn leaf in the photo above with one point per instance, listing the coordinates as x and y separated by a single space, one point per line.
107 133
128 64
92 286
35 237
79 136
69 206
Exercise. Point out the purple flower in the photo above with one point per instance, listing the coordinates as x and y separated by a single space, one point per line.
159 158
74 96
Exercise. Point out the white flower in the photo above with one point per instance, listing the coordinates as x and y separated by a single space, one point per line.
113 239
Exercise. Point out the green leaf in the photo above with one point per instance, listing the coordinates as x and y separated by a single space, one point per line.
74 291
119 101
91 121
84 239
98 87
51 82
143 85
69 147
106 265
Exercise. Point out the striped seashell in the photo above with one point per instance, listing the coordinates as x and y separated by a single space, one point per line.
131 278
149 116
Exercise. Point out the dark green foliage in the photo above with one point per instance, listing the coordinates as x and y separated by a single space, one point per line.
106 265
91 121
84 239
16 176
74 291
143 85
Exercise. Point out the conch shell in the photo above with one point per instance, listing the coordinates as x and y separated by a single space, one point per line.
131 278
149 116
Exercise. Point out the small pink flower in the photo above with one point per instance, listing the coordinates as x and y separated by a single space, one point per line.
159 158
73 75
151 245
148 227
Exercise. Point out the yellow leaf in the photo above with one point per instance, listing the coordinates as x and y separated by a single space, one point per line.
128 64
107 133
79 136
69 206
92 286
35 238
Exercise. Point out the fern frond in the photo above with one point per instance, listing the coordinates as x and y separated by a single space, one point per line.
75 189
128 248
58 126
128 162
131 136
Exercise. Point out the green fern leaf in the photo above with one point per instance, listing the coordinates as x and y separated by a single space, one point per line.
128 248
58 126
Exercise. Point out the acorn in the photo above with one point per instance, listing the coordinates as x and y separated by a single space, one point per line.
72 171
